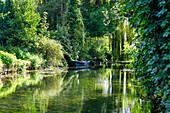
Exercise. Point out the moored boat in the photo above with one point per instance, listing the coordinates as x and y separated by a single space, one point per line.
79 63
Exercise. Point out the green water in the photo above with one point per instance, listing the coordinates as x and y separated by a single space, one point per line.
102 90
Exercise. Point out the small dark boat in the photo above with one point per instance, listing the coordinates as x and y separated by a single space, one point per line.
79 63
79 68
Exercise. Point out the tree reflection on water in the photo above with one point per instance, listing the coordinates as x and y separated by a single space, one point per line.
93 91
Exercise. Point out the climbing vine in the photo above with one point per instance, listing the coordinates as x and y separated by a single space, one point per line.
150 19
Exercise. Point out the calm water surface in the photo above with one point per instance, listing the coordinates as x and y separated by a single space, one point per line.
102 90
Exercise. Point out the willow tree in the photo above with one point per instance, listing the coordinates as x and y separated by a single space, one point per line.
115 26
76 30
102 18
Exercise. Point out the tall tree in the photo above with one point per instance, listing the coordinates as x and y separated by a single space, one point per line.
8 14
1 6
55 12
20 23
26 22
1 11
76 30
8 9
93 17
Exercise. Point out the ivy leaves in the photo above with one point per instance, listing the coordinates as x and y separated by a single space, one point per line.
151 21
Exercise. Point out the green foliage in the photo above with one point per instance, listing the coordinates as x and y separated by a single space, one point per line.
1 18
94 19
8 59
5 21
52 51
98 48
8 8
44 24
152 59
55 12
19 23
11 61
130 50
73 21
36 60
61 34
25 23
23 64
96 26
1 6
1 65
22 31
75 26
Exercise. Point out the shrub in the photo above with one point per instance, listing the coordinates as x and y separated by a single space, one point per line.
1 84
52 51
1 65
11 60
7 58
2 48
36 60
23 64
97 49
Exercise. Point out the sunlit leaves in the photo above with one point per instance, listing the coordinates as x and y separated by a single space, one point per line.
152 59
52 51
167 32
162 3
161 12
76 29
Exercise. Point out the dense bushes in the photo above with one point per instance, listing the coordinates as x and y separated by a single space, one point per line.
22 60
26 29
36 60
21 31
1 65
52 51
22 64
19 23
8 59
96 49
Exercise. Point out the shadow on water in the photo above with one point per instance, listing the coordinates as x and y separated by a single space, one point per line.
98 90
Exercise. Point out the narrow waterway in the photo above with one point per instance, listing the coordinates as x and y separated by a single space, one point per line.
99 90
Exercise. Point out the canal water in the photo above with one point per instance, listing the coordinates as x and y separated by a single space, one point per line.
96 90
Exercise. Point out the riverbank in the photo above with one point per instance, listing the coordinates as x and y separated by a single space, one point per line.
19 61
